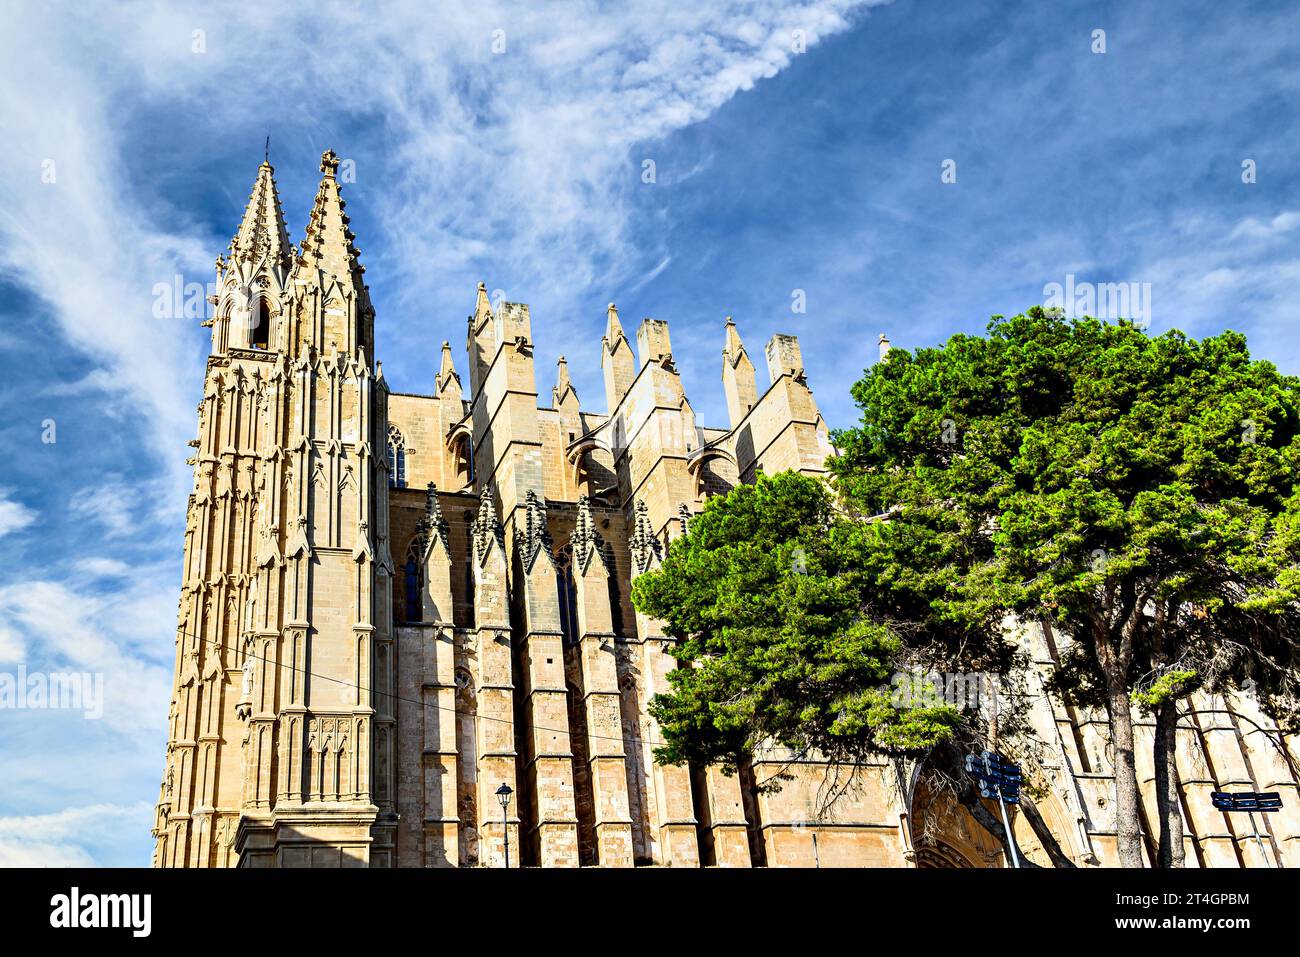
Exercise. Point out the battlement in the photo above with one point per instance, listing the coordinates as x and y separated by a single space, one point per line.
644 442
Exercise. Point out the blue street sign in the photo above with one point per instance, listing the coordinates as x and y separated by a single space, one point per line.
1247 801
996 776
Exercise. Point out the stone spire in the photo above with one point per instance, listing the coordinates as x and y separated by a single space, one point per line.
262 234
563 385
447 371
328 244
738 380
616 360
481 302
647 551
483 338
883 343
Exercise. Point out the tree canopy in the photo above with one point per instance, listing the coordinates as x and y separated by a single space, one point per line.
768 604
1141 493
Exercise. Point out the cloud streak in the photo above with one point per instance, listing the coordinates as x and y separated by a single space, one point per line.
14 516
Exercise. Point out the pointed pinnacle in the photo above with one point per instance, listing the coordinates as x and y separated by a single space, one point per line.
734 346
262 232
613 328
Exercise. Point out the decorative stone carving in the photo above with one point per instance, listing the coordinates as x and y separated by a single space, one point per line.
647 550
487 527
536 536
585 542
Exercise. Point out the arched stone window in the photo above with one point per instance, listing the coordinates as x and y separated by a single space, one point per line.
414 609
568 594
396 458
259 336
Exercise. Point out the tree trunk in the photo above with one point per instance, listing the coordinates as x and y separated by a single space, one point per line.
1167 798
1128 833
1044 834
992 823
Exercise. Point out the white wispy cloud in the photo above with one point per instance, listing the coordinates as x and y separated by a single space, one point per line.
99 567
66 838
63 628
111 506
14 516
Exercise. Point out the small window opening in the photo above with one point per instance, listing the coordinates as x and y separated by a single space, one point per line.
261 335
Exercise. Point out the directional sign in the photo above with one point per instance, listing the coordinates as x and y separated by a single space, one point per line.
997 776
1248 801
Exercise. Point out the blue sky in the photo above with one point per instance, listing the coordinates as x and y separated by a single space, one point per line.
776 169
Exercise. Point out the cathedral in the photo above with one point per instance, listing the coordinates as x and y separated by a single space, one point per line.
405 635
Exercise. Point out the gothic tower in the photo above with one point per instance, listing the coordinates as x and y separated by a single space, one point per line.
283 648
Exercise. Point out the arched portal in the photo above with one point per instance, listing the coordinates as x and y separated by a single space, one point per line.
940 855
944 834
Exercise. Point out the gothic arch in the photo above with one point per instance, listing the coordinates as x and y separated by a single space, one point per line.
396 458
566 589
412 578
940 855
260 319
460 443
944 834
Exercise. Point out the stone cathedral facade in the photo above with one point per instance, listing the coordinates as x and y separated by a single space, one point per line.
395 603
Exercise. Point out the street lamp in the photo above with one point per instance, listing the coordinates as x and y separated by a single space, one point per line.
1250 802
503 798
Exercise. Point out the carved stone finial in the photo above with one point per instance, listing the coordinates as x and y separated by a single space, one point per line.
432 526
684 517
563 384
536 536
585 540
329 163
487 527
646 547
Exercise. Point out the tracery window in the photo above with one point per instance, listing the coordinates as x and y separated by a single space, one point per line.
568 594
396 458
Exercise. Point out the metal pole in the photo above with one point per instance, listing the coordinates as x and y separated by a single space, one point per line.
505 830
1011 838
1258 840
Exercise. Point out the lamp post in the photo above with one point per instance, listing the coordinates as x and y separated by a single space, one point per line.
503 798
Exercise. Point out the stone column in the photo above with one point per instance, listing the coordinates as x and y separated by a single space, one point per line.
494 690
549 758
601 699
